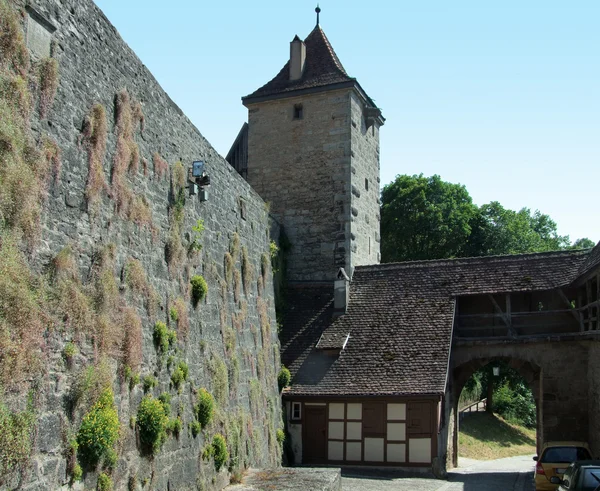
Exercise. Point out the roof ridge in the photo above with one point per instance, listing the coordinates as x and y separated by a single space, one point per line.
454 260
329 47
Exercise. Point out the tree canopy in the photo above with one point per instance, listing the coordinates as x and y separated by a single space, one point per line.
427 218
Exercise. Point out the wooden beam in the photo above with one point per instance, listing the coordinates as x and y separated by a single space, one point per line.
505 318
574 312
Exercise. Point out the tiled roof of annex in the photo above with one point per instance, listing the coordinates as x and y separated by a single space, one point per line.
322 68
399 321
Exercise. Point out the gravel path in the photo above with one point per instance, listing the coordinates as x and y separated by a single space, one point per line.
511 474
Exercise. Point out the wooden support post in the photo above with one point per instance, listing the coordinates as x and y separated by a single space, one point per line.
574 312
504 317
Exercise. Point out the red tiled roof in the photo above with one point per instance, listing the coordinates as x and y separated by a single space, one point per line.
322 68
400 320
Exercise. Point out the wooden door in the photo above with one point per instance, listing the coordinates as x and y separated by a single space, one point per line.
314 447
419 418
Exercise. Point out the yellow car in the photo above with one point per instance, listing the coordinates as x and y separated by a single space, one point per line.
554 459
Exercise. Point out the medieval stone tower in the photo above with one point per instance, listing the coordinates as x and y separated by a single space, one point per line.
312 144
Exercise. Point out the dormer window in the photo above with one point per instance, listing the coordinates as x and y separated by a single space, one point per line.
298 111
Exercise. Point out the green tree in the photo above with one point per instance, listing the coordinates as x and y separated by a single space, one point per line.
497 230
427 218
584 243
424 218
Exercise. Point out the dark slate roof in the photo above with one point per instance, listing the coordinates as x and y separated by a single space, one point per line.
400 320
592 262
322 68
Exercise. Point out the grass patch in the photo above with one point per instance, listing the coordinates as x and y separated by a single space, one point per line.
160 166
132 352
95 132
180 309
16 432
13 50
127 156
23 316
485 436
48 70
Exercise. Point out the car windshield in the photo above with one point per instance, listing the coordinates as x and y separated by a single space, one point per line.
564 455
591 479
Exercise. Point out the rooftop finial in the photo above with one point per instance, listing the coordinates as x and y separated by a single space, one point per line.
318 11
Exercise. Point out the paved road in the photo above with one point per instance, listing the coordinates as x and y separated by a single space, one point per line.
511 474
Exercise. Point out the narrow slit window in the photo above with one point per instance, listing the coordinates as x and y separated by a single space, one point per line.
366 184
298 111
296 411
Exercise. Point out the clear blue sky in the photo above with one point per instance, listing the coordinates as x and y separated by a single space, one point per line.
503 97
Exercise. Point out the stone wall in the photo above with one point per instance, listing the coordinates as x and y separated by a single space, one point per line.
141 214
366 217
320 174
594 398
559 372
302 168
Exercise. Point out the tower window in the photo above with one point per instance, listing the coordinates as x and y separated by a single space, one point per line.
366 184
298 111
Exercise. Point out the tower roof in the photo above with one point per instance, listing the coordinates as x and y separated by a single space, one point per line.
323 68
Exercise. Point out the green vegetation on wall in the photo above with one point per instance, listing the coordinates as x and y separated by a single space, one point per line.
99 431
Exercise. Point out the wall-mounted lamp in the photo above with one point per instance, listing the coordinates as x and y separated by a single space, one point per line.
198 180
496 371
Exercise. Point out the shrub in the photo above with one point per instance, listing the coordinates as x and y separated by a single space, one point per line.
149 383
196 427
229 265
76 473
174 426
104 482
199 289
161 336
177 378
173 314
205 407
195 244
99 430
280 435
165 400
152 423
69 351
220 452
284 378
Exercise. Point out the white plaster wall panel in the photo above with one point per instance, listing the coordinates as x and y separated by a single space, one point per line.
353 431
295 431
374 449
396 411
419 451
354 410
335 451
353 451
336 430
396 431
336 410
396 452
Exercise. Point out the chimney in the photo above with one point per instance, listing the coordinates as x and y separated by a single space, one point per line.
341 293
297 58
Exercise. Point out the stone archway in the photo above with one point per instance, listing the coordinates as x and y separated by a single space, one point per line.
556 370
531 374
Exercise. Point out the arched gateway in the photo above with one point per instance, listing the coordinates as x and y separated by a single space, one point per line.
378 363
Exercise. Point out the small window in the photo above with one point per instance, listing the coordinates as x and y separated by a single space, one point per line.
366 184
296 411
298 111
